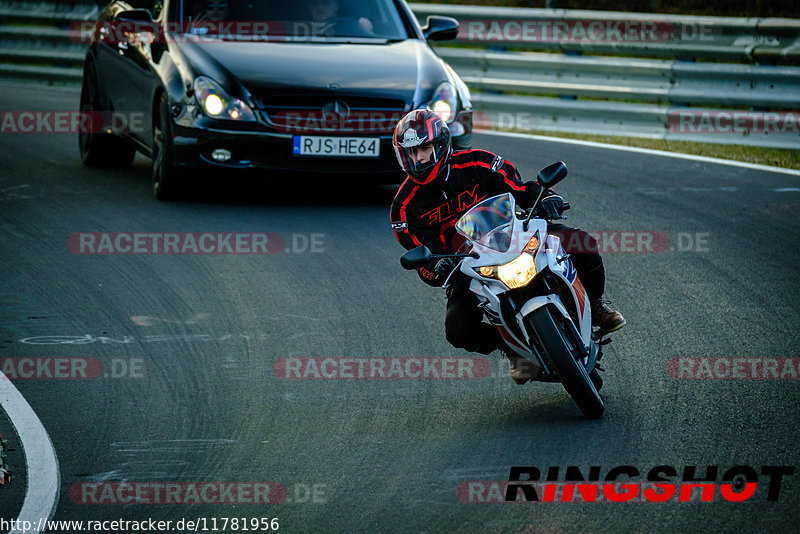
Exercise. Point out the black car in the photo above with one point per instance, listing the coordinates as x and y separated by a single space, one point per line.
263 85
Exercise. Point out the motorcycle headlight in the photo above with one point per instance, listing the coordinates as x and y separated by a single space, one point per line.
218 104
518 272
445 101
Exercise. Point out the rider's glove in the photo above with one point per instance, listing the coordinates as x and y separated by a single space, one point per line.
551 206
445 266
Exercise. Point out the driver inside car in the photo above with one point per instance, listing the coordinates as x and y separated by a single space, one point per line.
205 14
325 16
441 187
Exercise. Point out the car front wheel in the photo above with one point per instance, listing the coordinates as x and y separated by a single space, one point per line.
99 149
166 179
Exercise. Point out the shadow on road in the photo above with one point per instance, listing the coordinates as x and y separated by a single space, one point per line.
536 412
275 188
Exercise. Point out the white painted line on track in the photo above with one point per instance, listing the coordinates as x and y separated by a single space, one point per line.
44 479
648 151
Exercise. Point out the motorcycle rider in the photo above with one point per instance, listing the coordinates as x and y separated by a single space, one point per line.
441 186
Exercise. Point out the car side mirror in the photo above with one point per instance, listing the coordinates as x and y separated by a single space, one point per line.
552 174
134 15
415 257
135 21
440 28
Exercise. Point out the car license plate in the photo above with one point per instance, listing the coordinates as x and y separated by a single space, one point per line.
348 147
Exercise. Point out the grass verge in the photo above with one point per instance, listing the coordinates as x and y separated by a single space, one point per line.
776 157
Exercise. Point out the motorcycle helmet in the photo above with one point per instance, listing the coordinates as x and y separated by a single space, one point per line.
418 128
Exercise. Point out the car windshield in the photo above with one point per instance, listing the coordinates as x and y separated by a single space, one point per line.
299 20
489 223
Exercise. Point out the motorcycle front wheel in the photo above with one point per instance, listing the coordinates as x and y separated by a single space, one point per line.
565 358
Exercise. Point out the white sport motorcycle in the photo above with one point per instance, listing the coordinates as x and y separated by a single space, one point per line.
529 289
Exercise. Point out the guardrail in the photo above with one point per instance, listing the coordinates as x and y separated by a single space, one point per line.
606 73
529 69
35 41
749 40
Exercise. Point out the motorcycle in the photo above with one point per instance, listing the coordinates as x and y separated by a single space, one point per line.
527 287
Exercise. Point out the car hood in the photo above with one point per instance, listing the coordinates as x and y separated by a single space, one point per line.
406 70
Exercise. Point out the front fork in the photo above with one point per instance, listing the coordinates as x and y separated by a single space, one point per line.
595 349
588 357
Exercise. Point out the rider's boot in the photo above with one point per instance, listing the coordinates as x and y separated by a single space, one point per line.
607 319
522 370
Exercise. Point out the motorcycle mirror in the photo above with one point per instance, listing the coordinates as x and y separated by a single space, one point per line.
415 257
552 174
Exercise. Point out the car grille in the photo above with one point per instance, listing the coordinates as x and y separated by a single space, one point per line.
324 115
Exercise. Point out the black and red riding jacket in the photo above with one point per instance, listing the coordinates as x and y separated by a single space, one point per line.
427 214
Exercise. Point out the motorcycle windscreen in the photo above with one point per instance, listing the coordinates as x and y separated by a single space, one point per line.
489 223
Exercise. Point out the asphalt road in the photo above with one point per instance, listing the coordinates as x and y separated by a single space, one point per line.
189 342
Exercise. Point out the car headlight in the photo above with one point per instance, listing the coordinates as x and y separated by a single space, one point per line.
519 271
445 101
218 104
